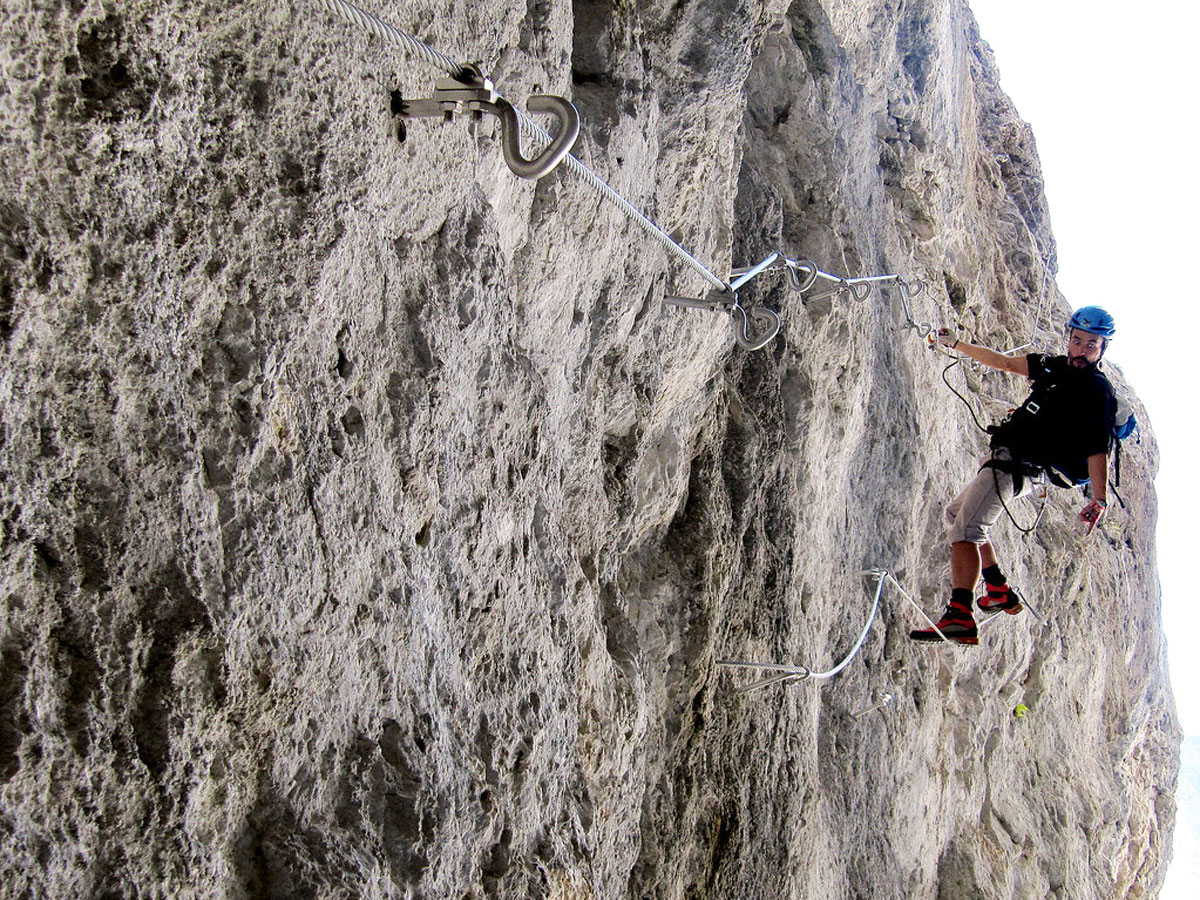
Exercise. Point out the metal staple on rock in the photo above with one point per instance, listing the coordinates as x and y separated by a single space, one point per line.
352 14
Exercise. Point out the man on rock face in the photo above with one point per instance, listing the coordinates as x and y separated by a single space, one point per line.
1065 426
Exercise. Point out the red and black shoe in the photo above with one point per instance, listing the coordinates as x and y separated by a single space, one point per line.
1001 598
957 624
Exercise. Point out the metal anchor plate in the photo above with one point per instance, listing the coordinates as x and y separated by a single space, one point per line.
452 96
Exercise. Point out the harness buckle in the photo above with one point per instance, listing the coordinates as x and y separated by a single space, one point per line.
1033 407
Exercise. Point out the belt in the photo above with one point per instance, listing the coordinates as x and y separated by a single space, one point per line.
1018 469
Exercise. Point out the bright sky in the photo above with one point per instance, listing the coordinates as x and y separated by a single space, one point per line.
1109 89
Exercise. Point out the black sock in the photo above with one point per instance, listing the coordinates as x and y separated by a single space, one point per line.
993 576
965 596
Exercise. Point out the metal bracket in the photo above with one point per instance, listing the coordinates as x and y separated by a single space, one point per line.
727 301
452 96
767 320
777 260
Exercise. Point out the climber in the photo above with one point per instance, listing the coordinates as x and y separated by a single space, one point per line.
1064 426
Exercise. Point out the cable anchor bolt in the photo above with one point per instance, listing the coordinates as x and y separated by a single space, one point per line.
474 93
753 327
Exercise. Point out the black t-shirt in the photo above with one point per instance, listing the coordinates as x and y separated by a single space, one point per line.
1067 417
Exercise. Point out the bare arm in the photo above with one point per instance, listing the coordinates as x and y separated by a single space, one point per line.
1098 475
1018 365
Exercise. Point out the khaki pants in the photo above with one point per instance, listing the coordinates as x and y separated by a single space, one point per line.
976 509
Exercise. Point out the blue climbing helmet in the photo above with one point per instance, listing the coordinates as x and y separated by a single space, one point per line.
1093 320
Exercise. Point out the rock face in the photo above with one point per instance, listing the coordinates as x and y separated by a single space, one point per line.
371 528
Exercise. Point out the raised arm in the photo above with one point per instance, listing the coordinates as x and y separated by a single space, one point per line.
1018 365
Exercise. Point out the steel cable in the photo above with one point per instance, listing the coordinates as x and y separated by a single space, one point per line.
379 28
529 129
862 637
534 130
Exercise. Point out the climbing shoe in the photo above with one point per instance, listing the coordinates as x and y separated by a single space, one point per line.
1001 599
957 624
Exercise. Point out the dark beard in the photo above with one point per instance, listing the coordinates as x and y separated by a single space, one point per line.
1081 362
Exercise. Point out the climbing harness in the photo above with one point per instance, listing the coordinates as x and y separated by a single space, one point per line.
784 673
926 331
1040 490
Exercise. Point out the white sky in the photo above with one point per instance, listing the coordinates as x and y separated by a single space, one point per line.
1110 90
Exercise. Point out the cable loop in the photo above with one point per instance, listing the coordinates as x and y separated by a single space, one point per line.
854 286
741 326
809 268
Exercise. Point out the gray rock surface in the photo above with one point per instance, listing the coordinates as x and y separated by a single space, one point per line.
371 528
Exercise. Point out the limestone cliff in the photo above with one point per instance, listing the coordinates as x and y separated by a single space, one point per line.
371 528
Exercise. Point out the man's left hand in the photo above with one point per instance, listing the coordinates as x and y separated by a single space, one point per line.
1091 514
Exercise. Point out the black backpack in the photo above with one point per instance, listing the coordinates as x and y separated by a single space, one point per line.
1045 430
